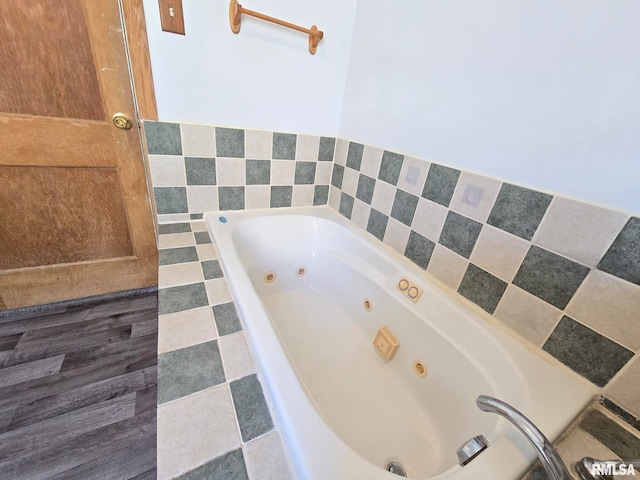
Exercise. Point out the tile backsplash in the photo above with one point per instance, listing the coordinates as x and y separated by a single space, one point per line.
562 274
197 168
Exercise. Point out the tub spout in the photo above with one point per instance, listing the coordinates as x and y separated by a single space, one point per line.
549 458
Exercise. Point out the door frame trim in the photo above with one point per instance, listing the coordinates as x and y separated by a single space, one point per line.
135 33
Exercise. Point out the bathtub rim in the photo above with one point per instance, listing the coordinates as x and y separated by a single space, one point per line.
282 383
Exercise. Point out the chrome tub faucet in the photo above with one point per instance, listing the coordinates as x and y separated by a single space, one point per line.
548 455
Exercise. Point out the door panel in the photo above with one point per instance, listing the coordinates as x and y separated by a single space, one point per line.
82 211
75 214
62 79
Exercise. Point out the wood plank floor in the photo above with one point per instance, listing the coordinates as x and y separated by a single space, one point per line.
78 389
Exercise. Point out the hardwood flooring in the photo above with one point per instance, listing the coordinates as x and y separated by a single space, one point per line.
78 391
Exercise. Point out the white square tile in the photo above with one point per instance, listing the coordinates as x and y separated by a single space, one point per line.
179 274
230 171
499 252
528 315
173 218
334 197
198 140
360 213
217 291
342 148
323 173
236 356
198 226
396 235
371 160
307 147
350 181
206 251
167 171
578 444
266 458
413 184
447 266
257 144
195 429
383 196
429 219
578 230
282 172
257 196
473 189
186 328
174 240
610 306
202 199
303 195
625 389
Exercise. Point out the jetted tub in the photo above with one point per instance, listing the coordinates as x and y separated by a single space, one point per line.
301 277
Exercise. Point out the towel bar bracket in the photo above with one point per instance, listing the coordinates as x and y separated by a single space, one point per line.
234 15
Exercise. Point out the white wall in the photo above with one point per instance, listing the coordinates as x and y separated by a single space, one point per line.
263 77
545 93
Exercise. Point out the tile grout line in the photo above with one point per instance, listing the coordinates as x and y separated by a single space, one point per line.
621 372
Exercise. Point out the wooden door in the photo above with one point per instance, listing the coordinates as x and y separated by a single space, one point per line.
75 214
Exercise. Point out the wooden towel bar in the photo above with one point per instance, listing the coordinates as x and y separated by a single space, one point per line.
236 10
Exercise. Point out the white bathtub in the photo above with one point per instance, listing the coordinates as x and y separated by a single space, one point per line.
344 412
